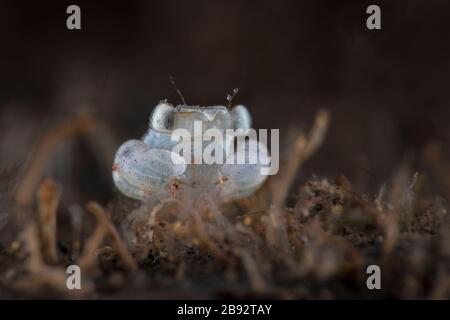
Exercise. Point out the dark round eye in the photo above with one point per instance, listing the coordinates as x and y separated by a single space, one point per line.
241 118
161 118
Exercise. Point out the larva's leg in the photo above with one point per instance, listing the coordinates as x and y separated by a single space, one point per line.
141 172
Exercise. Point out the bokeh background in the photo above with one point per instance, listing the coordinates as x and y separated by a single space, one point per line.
387 90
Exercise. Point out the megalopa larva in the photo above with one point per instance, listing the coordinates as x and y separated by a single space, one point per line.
148 168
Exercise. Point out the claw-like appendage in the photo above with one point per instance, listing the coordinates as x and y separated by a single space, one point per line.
140 171
244 178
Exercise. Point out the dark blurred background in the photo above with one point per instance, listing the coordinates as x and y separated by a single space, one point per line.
387 90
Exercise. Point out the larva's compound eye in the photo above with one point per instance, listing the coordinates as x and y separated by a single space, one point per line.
161 118
241 118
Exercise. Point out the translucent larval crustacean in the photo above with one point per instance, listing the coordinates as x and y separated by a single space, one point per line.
148 168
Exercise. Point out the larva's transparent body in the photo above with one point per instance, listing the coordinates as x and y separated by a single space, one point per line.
149 169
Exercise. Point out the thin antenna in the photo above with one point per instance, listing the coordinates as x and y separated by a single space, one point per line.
178 90
230 97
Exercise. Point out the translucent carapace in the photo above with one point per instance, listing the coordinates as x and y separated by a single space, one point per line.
150 168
